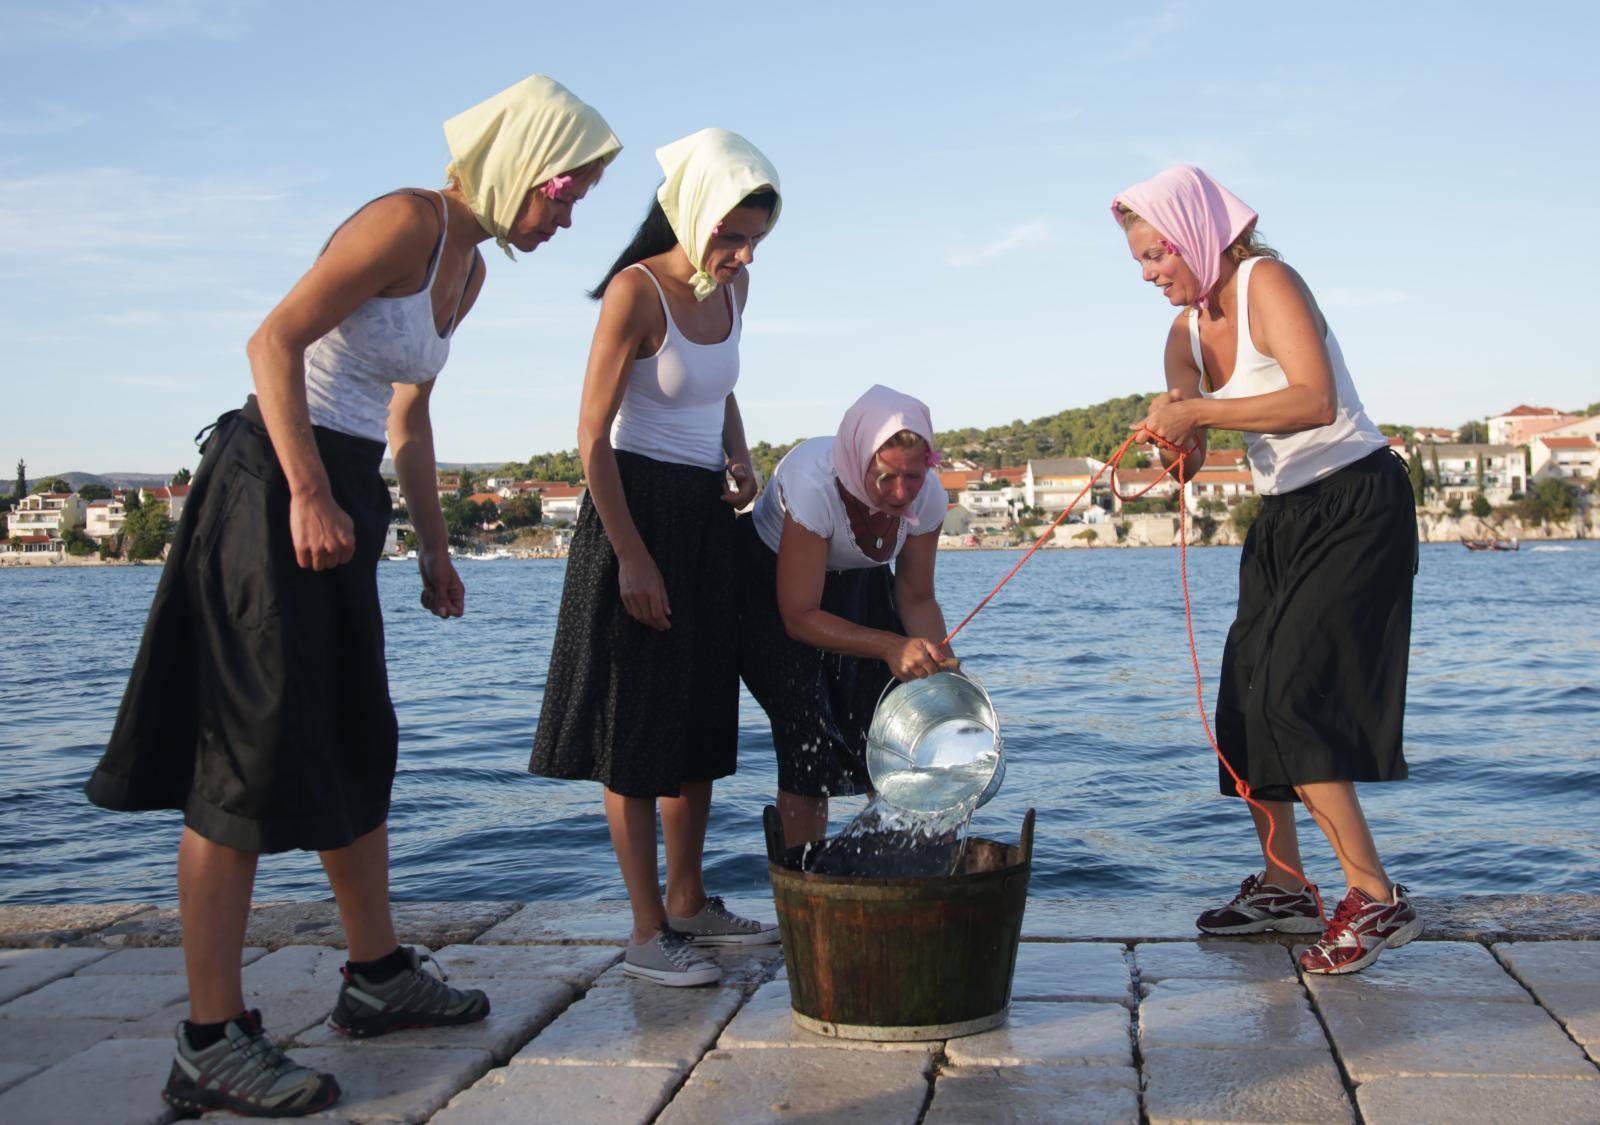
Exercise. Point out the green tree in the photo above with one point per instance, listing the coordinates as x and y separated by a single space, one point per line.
1438 478
1473 433
1480 506
1548 501
1453 506
21 489
144 531
469 483
77 543
1244 514
1419 482
1591 410
764 456
92 491
1205 525
521 511
56 484
182 476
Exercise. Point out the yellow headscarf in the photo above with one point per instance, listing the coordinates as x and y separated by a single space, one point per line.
708 174
522 136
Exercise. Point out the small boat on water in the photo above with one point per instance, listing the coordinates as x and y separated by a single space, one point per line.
1491 544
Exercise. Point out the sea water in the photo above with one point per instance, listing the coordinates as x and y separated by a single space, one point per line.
886 841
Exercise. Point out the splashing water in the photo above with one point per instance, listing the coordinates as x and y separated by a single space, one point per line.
888 841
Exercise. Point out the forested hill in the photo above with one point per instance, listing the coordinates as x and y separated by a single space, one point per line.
1084 431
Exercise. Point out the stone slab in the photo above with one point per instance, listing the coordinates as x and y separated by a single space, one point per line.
571 1095
518 1007
1441 1038
1221 1014
1146 918
23 970
40 926
44 1043
767 1021
114 1082
798 1084
635 1024
408 1084
606 922
1552 962
104 997
1050 1034
1087 971
284 1014
1478 1101
992 1095
160 962
1577 1006
11 1073
1238 961
1187 1084
277 924
1427 970
577 965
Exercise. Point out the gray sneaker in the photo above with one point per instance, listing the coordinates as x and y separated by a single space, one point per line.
717 925
412 998
667 959
246 1072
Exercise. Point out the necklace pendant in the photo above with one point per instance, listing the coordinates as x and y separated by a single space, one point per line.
877 544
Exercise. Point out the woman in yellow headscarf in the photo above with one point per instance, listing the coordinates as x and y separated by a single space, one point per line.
259 703
643 689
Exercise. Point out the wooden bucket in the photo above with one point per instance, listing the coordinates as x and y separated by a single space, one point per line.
902 959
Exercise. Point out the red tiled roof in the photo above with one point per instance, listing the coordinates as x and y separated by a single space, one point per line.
35 538
1566 442
485 498
1138 476
954 480
1528 412
1224 457
1226 476
562 491
1398 441
170 491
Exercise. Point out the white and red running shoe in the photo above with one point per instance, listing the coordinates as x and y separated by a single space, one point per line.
1360 929
1261 906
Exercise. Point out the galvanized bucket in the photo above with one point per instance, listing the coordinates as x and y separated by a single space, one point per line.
934 744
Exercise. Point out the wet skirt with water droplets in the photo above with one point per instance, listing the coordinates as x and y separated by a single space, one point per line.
820 704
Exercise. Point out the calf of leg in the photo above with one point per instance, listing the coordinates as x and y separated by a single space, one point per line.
214 885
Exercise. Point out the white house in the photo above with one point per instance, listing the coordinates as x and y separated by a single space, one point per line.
39 520
560 502
1051 484
1570 458
1517 425
1457 468
105 518
174 496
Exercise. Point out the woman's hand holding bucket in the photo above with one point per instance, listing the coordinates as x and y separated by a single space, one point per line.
912 658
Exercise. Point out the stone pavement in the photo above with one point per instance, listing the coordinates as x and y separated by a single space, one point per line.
1118 1015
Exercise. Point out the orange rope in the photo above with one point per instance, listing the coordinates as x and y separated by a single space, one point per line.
1175 470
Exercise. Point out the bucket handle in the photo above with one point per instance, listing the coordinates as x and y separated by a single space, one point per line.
773 824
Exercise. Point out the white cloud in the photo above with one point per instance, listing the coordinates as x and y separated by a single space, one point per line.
1023 237
94 25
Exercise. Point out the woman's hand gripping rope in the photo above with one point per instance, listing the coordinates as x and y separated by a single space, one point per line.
1176 470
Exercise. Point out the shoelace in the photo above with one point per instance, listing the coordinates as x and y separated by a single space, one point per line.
676 948
1339 924
1246 889
261 1051
715 905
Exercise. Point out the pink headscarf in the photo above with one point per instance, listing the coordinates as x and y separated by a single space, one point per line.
874 418
1195 213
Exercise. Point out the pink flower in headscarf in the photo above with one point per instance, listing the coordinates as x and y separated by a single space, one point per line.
873 419
934 457
553 188
1199 216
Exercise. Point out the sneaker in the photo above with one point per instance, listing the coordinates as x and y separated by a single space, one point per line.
413 997
246 1072
667 959
1261 906
717 925
1360 929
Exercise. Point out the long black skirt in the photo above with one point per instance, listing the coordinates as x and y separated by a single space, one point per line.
259 701
638 710
820 704
1314 671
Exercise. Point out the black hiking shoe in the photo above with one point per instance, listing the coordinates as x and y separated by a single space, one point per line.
246 1072
412 997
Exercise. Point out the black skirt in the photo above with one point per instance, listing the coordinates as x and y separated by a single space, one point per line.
638 710
259 701
820 704
1314 672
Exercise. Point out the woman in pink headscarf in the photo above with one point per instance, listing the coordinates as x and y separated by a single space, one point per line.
1313 687
825 624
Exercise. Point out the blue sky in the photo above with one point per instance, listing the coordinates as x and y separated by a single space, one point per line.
169 167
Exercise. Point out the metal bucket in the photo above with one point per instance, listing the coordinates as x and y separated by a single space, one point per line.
902 959
935 744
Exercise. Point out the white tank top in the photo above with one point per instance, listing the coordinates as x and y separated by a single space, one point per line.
1281 463
351 372
675 403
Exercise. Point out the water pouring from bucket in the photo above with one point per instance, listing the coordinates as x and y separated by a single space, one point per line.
934 745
